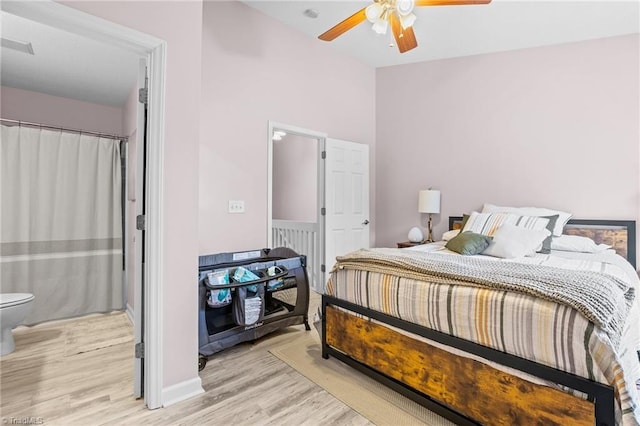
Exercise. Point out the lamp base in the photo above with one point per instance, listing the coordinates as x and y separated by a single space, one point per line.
429 238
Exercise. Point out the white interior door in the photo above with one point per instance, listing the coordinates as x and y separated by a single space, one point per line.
346 199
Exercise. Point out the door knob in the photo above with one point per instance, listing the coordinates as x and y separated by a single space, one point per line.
366 222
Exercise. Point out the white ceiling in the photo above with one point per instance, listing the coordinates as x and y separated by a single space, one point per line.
66 64
71 66
453 31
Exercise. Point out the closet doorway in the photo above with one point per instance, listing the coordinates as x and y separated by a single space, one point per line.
317 197
295 195
147 313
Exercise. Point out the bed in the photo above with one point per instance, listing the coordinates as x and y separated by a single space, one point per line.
568 368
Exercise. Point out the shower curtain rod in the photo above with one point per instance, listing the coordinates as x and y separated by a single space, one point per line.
66 129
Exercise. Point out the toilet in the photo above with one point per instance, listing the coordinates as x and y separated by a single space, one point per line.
14 307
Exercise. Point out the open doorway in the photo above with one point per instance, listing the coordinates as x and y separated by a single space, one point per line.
296 195
318 197
153 51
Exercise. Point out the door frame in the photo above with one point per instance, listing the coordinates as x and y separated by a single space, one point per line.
299 131
139 193
77 22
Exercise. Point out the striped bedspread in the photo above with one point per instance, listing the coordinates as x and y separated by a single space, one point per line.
530 327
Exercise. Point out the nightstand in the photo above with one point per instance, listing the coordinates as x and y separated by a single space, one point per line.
406 244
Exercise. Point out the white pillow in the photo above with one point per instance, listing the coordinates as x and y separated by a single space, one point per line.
510 241
577 243
450 234
489 223
563 217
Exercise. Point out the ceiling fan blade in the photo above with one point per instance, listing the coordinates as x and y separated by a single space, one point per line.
449 2
344 26
405 38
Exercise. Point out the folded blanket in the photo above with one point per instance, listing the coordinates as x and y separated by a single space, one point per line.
603 299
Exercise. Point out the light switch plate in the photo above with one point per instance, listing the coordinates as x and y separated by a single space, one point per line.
236 206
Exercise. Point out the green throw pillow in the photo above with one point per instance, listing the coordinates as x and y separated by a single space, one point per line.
468 243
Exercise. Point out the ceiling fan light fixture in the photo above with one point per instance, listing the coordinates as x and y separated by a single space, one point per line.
407 20
373 12
405 7
380 26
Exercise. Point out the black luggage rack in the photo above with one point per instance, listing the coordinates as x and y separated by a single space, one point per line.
285 304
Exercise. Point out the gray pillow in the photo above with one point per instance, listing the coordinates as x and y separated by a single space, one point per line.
468 243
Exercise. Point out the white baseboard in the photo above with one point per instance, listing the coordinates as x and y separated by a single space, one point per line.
129 312
181 391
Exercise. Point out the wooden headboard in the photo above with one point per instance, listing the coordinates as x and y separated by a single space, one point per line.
619 234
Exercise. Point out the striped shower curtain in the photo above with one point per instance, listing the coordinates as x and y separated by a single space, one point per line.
60 221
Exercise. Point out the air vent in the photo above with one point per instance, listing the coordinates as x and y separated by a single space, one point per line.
20 46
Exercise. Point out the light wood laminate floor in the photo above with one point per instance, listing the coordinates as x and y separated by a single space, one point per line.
81 372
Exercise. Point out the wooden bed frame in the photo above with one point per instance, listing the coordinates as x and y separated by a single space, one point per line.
460 388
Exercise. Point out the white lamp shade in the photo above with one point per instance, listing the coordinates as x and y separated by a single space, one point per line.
429 201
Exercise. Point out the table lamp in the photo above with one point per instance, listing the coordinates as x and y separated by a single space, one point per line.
429 202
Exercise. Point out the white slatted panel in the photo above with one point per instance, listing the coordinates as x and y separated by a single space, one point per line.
303 238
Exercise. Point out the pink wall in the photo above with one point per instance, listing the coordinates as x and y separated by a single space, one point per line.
36 107
552 126
295 179
254 69
180 25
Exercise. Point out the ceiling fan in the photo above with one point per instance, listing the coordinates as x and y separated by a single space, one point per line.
397 13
